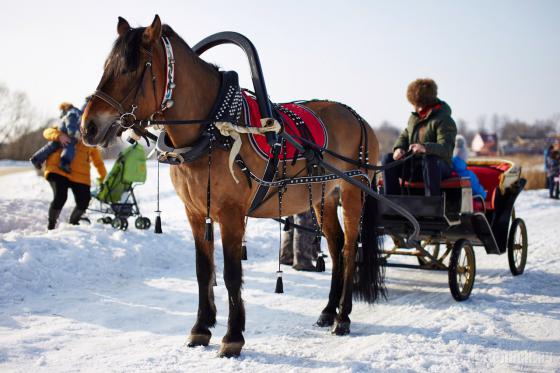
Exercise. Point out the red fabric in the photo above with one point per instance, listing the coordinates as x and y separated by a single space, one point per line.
478 205
314 124
453 182
489 177
425 111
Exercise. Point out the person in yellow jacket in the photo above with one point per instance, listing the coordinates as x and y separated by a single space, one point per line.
78 179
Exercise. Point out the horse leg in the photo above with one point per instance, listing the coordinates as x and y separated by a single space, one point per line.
351 212
232 227
335 240
206 317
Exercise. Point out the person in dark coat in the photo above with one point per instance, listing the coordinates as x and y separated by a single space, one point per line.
552 171
299 248
429 135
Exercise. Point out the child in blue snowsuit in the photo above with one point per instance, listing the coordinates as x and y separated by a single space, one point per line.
459 160
70 125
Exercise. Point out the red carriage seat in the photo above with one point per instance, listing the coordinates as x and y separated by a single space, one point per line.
490 177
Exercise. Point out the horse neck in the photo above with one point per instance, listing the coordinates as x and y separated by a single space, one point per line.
197 86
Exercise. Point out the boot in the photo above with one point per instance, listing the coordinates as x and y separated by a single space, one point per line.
53 217
75 216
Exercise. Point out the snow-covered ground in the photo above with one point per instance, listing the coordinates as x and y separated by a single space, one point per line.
90 298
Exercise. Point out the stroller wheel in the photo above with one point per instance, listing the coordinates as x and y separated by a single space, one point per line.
101 221
107 220
147 223
124 224
116 223
139 223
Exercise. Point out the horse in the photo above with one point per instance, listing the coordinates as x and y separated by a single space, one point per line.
125 83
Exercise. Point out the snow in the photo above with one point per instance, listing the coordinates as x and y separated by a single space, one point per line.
90 298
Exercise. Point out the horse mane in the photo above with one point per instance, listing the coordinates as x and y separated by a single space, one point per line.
125 55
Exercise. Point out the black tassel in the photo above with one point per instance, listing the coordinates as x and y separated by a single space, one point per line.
243 251
208 230
320 266
157 228
279 284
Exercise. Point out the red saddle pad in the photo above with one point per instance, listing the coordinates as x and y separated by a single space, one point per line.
315 126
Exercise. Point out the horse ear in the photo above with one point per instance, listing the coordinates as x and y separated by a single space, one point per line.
122 26
153 32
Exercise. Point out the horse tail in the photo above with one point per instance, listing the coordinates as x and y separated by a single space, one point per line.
369 277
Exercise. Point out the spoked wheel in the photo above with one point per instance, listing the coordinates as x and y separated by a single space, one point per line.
147 223
517 247
462 270
124 224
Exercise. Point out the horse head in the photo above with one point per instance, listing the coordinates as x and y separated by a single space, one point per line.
131 86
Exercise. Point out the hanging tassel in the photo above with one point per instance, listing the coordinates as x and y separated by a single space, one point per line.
243 250
157 228
157 225
208 230
279 284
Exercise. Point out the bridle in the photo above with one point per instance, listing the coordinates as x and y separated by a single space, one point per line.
127 118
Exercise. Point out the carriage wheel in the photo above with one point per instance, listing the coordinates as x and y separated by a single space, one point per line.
462 270
107 220
139 223
517 247
147 223
124 224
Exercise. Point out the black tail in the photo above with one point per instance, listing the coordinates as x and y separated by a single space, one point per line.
369 277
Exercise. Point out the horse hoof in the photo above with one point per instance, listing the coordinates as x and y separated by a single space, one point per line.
325 319
231 349
341 328
199 340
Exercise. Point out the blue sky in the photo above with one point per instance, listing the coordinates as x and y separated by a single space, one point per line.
488 57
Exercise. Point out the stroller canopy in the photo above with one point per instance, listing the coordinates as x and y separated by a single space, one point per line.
129 168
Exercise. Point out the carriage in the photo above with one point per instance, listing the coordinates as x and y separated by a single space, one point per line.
452 224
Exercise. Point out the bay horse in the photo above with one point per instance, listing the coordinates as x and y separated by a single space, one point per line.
196 86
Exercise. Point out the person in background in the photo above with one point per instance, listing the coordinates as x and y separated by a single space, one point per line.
429 135
69 125
78 178
547 152
299 248
552 171
459 160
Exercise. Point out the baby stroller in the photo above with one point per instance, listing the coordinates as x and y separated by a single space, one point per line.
116 193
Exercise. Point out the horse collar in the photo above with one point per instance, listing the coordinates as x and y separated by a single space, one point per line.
227 108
